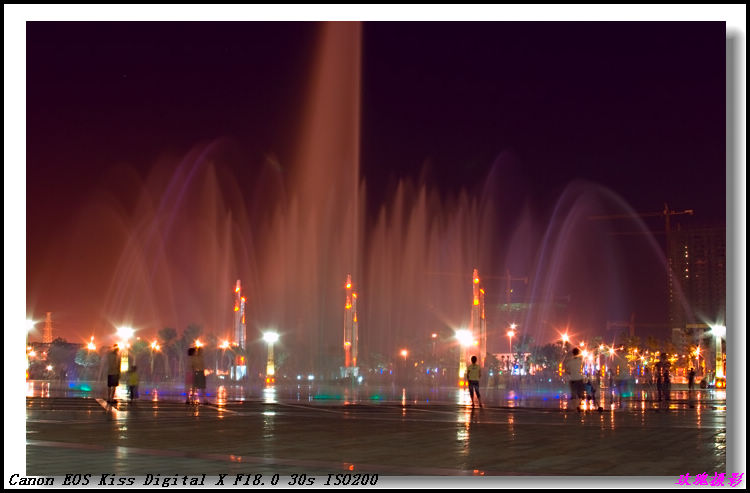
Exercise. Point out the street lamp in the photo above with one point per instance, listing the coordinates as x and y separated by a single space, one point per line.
224 346
697 358
124 334
270 338
511 333
154 347
29 328
465 340
719 332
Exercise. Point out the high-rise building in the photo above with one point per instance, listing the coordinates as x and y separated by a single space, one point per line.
697 285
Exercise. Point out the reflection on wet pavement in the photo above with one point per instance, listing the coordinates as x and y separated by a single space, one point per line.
318 429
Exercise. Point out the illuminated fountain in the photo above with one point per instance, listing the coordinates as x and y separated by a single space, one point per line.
292 231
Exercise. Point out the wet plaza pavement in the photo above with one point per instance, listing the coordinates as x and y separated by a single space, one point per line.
298 430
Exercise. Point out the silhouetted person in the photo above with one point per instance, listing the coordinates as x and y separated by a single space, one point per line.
473 374
691 379
113 372
133 383
198 367
189 385
573 370
663 383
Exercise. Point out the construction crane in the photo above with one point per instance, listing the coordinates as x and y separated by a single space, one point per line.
666 213
631 325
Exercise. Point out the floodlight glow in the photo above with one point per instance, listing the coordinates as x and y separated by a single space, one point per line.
465 337
30 324
270 337
125 332
719 330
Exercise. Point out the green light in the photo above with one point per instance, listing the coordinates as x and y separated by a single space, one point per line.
326 397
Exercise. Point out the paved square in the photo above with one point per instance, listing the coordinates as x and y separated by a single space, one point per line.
320 434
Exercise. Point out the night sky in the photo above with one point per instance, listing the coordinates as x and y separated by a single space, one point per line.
638 108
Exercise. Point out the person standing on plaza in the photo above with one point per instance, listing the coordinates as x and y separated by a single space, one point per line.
133 383
691 379
573 368
663 383
113 372
189 384
199 374
691 385
473 374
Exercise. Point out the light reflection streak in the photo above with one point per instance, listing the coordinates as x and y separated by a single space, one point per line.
221 396
463 397
511 428
269 395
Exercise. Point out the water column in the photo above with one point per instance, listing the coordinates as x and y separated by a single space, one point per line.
324 210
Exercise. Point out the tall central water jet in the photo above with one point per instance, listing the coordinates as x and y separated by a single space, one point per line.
325 201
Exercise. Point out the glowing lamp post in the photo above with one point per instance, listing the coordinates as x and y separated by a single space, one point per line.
124 334
154 347
719 332
697 358
29 328
270 338
465 340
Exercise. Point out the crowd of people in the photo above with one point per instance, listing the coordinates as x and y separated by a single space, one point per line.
195 376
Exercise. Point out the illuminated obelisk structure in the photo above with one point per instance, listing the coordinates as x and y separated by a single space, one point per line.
478 322
47 334
351 335
240 332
